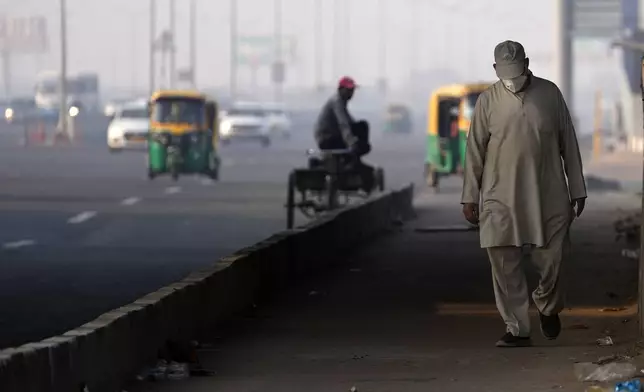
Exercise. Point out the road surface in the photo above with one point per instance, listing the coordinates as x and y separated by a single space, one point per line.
83 231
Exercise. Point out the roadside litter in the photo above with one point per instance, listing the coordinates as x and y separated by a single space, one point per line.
612 371
177 361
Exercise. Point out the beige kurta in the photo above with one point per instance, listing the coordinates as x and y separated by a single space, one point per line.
513 164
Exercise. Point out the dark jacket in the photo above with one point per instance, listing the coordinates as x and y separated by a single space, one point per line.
334 122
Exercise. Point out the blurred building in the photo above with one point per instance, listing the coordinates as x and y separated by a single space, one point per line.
631 45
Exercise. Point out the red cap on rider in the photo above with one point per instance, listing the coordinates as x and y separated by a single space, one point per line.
347 82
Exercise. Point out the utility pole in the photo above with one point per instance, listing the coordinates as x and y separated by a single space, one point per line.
173 49
63 68
319 45
382 46
153 38
6 72
413 40
597 131
193 42
233 49
278 72
563 47
335 35
134 80
346 37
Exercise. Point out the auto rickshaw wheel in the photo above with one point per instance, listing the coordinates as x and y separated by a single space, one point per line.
151 174
290 201
213 167
432 177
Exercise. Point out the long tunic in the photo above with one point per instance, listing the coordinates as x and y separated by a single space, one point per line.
514 168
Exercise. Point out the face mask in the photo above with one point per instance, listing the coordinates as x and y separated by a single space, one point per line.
515 84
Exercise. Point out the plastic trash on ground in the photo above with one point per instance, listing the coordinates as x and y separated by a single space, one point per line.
612 371
629 386
606 341
165 371
178 371
597 388
631 253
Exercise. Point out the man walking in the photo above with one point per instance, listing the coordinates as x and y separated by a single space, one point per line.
519 192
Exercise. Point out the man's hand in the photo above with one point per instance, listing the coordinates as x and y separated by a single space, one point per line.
471 212
580 204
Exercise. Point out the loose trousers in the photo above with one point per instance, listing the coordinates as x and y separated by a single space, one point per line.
511 288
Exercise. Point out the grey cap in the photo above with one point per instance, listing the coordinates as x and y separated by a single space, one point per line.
509 57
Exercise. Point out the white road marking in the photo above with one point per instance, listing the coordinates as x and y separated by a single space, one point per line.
130 201
172 190
18 244
82 217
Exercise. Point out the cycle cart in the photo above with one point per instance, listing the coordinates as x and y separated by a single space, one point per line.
332 179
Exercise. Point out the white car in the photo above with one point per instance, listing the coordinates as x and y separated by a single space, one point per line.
255 122
129 128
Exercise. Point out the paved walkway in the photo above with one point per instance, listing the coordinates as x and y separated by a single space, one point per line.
624 167
415 312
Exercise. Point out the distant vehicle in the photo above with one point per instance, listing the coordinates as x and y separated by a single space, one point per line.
82 90
615 143
109 110
254 121
398 119
129 127
19 110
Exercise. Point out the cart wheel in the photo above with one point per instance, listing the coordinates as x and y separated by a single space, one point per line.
290 201
380 179
332 192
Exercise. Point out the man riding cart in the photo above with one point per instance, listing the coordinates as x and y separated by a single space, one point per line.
336 129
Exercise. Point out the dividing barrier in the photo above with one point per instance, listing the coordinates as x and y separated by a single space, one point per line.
105 353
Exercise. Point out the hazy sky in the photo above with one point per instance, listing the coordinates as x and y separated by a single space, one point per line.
111 36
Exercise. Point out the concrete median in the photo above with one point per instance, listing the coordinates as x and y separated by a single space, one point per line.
106 352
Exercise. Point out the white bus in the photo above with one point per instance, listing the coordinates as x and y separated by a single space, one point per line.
82 91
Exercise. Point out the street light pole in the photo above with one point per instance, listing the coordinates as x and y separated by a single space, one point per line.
233 49
153 37
277 27
346 37
335 35
413 66
193 42
63 68
173 49
319 45
382 45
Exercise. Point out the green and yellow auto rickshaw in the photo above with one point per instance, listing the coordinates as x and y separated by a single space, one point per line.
398 119
183 137
448 122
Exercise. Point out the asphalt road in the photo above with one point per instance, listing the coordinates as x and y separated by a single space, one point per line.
83 231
